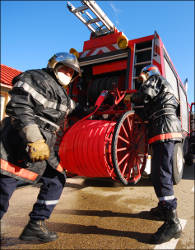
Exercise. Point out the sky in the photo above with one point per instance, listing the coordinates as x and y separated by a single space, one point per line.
32 31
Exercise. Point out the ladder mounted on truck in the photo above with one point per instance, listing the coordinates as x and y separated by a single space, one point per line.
100 24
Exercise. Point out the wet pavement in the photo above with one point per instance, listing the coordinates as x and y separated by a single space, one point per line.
100 214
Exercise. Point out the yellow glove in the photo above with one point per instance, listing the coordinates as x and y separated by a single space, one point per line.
127 98
38 150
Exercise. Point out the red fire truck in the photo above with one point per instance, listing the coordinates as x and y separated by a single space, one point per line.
111 141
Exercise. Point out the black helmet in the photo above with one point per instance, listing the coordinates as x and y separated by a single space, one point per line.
151 70
66 59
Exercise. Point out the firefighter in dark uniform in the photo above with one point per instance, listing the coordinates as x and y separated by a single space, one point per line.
36 112
161 109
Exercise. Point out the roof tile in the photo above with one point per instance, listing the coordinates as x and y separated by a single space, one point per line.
7 74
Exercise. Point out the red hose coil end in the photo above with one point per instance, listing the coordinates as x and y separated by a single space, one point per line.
83 150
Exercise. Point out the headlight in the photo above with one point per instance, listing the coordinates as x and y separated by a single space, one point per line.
122 42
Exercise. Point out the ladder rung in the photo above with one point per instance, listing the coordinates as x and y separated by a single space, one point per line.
93 20
80 9
90 16
141 50
140 63
84 21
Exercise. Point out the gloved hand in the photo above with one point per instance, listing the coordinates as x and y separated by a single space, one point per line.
38 150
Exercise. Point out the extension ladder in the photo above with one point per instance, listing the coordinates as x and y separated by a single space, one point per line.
97 22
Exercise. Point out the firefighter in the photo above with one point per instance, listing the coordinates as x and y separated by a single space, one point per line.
161 109
36 112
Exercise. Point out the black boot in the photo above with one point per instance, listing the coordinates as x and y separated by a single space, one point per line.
158 213
170 229
37 230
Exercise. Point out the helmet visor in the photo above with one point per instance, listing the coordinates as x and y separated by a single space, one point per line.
68 60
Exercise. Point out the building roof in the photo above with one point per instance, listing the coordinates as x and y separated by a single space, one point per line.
7 74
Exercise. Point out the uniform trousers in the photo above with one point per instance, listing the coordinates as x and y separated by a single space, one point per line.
162 173
52 183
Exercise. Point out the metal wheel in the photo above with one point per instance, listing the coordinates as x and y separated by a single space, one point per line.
129 148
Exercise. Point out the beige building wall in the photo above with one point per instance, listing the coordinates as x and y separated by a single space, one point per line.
4 98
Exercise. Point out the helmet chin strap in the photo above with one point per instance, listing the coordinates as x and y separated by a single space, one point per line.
74 78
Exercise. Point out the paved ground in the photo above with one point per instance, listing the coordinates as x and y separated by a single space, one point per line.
101 214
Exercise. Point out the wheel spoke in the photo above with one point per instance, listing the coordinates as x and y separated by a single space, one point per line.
124 169
111 172
123 139
122 160
121 149
129 174
130 126
124 129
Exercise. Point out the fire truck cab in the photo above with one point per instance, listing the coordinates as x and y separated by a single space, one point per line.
110 65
